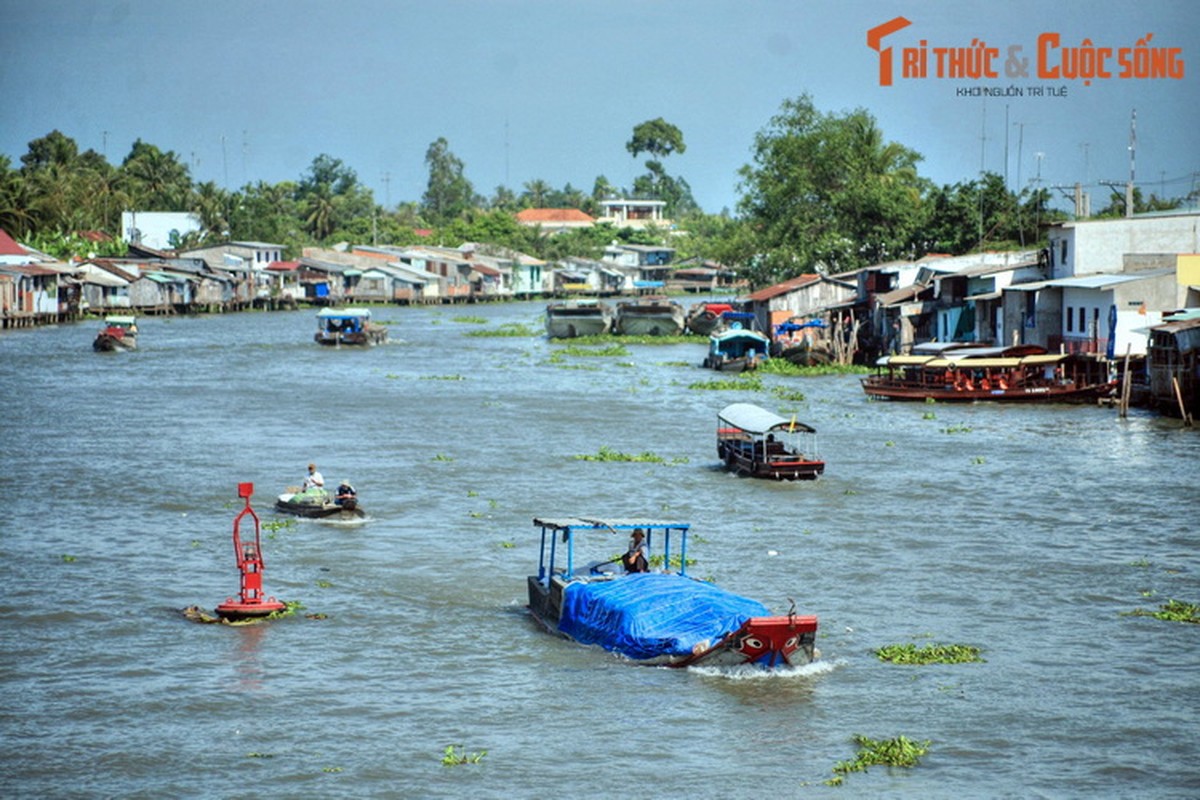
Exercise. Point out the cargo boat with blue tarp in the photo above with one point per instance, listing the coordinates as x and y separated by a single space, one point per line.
663 617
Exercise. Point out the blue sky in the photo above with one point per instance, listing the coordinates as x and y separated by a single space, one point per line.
248 90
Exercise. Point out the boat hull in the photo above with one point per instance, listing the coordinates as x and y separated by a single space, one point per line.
884 389
105 343
346 510
572 321
779 467
649 319
366 338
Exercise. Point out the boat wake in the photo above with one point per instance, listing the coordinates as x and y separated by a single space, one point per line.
345 522
749 672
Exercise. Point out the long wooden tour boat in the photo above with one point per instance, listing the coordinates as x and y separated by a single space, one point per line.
958 372
756 442
660 617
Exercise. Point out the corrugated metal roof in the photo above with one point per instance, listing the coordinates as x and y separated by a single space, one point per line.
752 419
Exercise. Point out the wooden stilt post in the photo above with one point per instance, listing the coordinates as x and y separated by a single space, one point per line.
1183 412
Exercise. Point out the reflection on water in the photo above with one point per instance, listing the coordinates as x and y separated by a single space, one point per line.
1028 532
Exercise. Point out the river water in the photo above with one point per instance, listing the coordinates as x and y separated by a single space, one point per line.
1025 531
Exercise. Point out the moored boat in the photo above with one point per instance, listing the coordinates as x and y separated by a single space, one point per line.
649 316
951 372
338 326
756 442
737 349
662 618
318 504
704 319
120 332
572 318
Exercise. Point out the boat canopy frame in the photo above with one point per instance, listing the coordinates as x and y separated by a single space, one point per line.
562 530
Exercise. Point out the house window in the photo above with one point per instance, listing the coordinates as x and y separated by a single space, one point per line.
1031 309
1063 249
1082 319
1070 321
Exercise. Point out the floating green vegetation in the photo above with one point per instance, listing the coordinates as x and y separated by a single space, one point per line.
1171 611
273 525
195 542
470 320
751 383
957 429
929 654
68 559
606 339
889 443
1141 562
331 769
929 401
442 378
443 457
656 561
929 415
898 752
260 755
978 460
452 756
611 350
290 608
608 454
507 329
508 544
324 584
676 364
781 366
789 395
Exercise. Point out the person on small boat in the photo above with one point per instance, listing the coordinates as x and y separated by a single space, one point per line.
635 559
345 494
314 480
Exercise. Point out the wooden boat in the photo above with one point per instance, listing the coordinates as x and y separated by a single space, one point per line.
573 318
736 350
957 372
794 342
704 319
661 617
318 504
338 326
649 316
753 441
120 332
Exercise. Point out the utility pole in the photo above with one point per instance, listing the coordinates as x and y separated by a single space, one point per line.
1132 153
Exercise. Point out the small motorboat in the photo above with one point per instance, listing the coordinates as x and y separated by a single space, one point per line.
661 617
318 504
339 326
756 442
119 333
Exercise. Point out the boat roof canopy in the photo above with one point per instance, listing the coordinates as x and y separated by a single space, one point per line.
739 333
752 419
564 523
120 319
344 313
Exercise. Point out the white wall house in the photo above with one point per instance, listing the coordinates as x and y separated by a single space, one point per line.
155 228
1087 247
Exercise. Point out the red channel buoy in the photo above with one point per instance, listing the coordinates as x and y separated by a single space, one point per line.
250 603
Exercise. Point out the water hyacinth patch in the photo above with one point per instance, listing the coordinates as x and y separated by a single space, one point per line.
1171 611
899 751
929 654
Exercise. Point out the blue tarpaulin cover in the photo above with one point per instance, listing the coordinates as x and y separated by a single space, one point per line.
646 615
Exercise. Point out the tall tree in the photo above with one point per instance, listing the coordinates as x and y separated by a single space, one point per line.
154 180
826 192
657 137
660 139
448 192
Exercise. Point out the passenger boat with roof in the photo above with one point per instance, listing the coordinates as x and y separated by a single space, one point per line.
664 617
120 332
572 318
964 372
649 316
338 326
756 442
736 349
